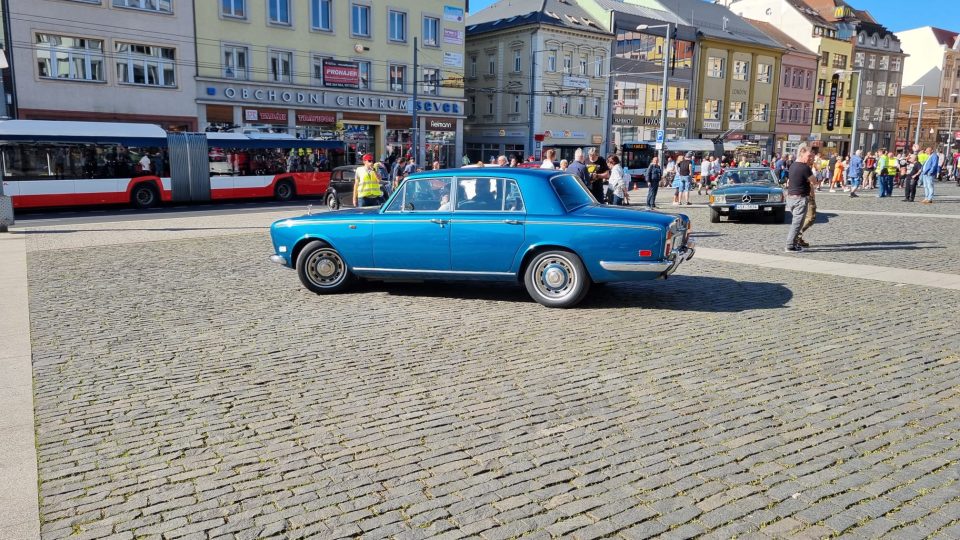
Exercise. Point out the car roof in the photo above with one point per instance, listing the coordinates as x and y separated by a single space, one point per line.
515 172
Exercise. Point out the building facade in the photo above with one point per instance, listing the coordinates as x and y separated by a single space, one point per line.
835 83
794 109
325 69
934 123
535 80
878 56
636 66
932 68
104 60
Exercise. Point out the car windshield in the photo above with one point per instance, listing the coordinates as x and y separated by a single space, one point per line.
571 192
747 176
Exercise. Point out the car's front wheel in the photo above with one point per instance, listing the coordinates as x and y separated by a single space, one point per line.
714 215
332 202
322 269
557 279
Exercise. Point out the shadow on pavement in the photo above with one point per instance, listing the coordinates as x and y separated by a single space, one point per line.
873 246
679 293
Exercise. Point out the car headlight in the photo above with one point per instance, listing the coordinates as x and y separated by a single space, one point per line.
775 197
718 199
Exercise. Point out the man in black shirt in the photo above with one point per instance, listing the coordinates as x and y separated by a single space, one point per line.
599 173
800 178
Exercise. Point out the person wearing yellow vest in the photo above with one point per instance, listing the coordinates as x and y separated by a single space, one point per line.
366 184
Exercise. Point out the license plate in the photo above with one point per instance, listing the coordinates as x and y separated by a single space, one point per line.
747 207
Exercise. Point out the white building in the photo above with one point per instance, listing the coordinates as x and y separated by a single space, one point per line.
931 62
104 60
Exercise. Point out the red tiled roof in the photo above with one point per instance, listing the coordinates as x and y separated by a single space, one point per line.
945 37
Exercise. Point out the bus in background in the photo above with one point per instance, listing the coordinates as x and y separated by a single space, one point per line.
56 164
636 156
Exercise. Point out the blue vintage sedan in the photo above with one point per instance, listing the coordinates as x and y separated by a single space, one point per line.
540 227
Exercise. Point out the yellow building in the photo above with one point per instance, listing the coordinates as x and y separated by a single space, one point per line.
325 69
835 56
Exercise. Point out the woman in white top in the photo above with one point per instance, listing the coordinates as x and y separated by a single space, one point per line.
618 182
548 159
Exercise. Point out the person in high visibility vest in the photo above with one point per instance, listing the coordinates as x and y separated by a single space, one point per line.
366 184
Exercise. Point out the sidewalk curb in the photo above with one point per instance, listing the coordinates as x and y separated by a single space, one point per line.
19 504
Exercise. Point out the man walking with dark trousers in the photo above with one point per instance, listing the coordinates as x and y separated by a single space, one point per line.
654 175
800 179
911 177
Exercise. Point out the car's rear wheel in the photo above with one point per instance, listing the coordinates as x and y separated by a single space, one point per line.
322 269
714 215
332 202
557 278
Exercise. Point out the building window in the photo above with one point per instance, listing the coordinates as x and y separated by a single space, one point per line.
872 61
741 70
364 75
431 31
736 110
884 62
583 65
840 61
895 64
868 88
64 57
825 58
549 105
761 112
764 73
598 66
233 8
473 105
398 76
321 15
567 64
818 118
360 20
892 91
596 107
866 113
565 106
317 74
891 114
858 59
808 80
552 62
878 114
715 67
279 11
711 109
146 65
881 88
281 66
235 62
821 87
473 66
516 103
490 105
806 113
516 61
161 6
582 106
397 22
431 80
491 65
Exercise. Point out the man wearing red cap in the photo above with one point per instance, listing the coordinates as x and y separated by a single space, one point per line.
366 184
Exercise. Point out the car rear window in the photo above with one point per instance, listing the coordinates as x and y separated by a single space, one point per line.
571 192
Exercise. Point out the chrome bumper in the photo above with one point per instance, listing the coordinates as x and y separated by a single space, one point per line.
278 259
664 268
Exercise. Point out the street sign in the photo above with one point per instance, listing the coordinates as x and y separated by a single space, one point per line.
660 136
659 145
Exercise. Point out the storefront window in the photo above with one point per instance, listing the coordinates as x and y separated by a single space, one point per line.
359 139
440 147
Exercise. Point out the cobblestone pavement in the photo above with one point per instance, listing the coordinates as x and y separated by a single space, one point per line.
190 389
915 243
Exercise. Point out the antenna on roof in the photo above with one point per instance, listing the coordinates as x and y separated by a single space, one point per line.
725 21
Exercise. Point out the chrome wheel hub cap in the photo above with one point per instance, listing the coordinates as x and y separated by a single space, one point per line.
326 268
555 276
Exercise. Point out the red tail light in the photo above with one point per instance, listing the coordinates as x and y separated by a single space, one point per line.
645 253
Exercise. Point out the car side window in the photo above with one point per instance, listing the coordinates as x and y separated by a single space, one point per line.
423 195
512 200
480 194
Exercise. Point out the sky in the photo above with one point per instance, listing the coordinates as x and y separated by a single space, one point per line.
894 15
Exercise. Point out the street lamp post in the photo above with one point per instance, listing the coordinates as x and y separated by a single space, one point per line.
916 134
910 117
663 109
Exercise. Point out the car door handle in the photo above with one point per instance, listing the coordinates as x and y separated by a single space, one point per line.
512 221
441 222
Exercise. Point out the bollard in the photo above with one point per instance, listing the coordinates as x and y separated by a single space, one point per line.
6 213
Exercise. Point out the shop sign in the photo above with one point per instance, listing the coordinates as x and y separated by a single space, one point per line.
453 59
329 99
565 134
316 118
452 81
832 109
437 124
453 14
815 137
257 115
711 124
737 125
596 139
735 136
569 81
629 120
837 138
793 138
339 74
453 37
